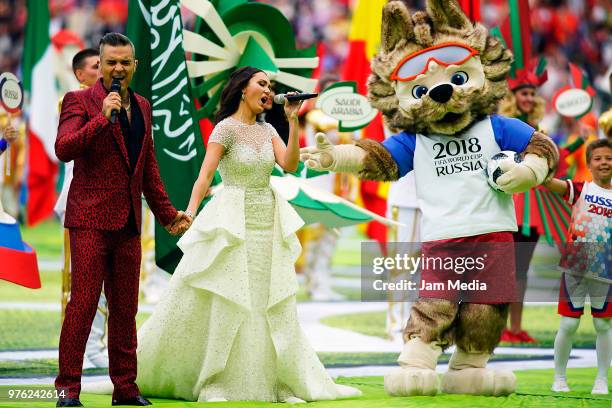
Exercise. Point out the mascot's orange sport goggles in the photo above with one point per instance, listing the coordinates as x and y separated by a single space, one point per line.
413 65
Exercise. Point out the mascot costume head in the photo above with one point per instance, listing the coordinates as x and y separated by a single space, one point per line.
437 81
436 71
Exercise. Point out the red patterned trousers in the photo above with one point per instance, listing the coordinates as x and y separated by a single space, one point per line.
112 258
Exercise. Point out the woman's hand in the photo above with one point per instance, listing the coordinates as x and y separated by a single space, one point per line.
181 223
292 108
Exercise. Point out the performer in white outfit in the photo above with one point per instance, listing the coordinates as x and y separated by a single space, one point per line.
227 328
321 240
586 264
402 206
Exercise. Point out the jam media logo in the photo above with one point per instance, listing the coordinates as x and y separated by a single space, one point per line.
351 109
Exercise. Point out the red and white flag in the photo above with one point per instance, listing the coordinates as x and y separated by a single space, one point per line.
42 114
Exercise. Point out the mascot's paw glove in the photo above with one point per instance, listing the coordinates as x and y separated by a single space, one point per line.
520 177
417 375
325 156
467 375
407 382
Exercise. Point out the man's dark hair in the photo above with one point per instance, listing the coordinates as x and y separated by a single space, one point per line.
116 40
79 58
596 145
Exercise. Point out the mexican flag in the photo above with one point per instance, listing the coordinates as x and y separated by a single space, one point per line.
155 27
364 41
39 86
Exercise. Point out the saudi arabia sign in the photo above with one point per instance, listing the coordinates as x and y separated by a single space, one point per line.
342 102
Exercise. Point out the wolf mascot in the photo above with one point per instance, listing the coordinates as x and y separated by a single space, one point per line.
437 80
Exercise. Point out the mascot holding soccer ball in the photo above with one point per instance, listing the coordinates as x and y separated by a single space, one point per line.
437 80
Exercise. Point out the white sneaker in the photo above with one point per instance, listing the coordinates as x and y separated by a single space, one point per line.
294 400
600 386
560 385
98 358
87 364
216 400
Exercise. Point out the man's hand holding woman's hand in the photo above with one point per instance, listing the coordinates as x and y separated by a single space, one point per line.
180 224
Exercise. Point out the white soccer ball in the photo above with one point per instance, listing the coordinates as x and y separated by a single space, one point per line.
493 169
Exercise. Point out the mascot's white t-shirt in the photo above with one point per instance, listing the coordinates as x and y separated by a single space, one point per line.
452 189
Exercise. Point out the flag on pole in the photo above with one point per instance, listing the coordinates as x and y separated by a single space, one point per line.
515 32
471 8
364 41
41 92
156 29
579 79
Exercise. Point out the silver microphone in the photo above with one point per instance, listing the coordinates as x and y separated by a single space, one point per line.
281 98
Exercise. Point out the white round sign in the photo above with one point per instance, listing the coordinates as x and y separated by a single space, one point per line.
346 106
351 109
11 93
573 102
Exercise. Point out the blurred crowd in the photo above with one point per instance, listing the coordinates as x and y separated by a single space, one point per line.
90 19
563 31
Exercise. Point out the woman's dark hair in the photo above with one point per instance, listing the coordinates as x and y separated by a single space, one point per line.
232 93
276 117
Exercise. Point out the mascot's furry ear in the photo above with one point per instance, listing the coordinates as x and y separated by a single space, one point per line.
396 26
447 16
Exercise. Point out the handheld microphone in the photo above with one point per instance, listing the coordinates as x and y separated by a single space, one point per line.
281 98
115 87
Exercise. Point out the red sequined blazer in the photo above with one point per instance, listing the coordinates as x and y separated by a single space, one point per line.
104 187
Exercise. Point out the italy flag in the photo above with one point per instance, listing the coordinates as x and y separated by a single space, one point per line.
42 115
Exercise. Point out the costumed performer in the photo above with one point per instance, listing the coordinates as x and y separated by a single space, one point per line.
437 80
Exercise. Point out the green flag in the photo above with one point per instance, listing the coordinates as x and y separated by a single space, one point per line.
155 27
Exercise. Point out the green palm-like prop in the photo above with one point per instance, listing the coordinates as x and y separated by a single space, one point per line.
230 34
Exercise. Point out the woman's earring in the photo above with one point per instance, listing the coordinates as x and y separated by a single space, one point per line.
242 97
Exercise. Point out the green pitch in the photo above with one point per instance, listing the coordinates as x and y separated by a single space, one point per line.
533 391
24 329
541 322
49 367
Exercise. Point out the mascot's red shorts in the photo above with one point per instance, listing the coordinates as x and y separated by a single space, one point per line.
476 269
